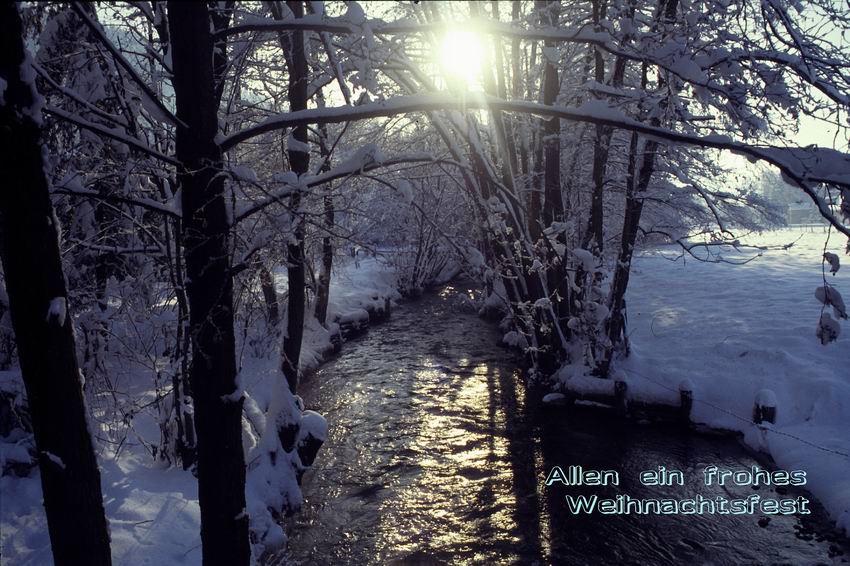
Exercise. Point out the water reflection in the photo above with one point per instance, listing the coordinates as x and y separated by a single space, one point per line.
434 456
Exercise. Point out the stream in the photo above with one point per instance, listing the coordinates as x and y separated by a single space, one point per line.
435 456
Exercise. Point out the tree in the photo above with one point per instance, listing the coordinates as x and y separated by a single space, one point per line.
206 229
617 109
43 327
299 160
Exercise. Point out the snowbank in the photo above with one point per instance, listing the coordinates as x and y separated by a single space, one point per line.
735 330
153 513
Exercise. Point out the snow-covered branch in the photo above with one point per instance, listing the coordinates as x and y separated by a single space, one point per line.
343 25
147 92
367 159
804 166
147 204
112 133
76 97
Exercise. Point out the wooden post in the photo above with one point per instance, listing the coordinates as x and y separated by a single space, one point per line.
765 407
621 404
686 400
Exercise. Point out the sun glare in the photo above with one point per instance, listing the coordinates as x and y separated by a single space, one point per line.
461 54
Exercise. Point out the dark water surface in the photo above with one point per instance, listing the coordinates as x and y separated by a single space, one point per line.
434 457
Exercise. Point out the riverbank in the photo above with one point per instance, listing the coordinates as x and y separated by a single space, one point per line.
737 333
153 511
436 455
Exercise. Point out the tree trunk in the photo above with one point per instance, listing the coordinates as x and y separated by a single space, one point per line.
519 128
206 232
323 292
600 151
299 161
551 129
553 210
35 283
638 179
269 296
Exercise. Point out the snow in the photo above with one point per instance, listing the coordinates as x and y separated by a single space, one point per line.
829 296
15 453
153 512
553 397
356 315
474 257
363 284
55 459
833 261
588 260
57 311
295 145
237 393
405 189
286 177
354 13
766 398
514 339
735 331
27 75
584 384
244 173
313 424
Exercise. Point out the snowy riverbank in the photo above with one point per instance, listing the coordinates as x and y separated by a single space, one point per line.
733 330
153 512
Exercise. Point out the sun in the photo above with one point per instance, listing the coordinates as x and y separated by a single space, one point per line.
461 54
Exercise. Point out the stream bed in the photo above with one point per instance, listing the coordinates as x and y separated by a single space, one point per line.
435 456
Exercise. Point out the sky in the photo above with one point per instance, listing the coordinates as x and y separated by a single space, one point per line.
821 133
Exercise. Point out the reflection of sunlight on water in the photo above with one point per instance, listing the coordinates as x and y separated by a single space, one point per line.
431 458
462 491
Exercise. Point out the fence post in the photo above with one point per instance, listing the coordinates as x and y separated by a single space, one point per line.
765 407
686 400
621 404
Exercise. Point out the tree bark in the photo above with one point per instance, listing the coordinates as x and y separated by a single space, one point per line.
638 179
218 417
299 162
600 150
519 126
269 296
324 290
553 210
323 293
35 283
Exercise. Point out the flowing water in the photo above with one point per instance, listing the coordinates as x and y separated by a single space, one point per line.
434 456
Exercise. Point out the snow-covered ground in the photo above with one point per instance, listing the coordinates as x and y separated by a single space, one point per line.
153 513
733 330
